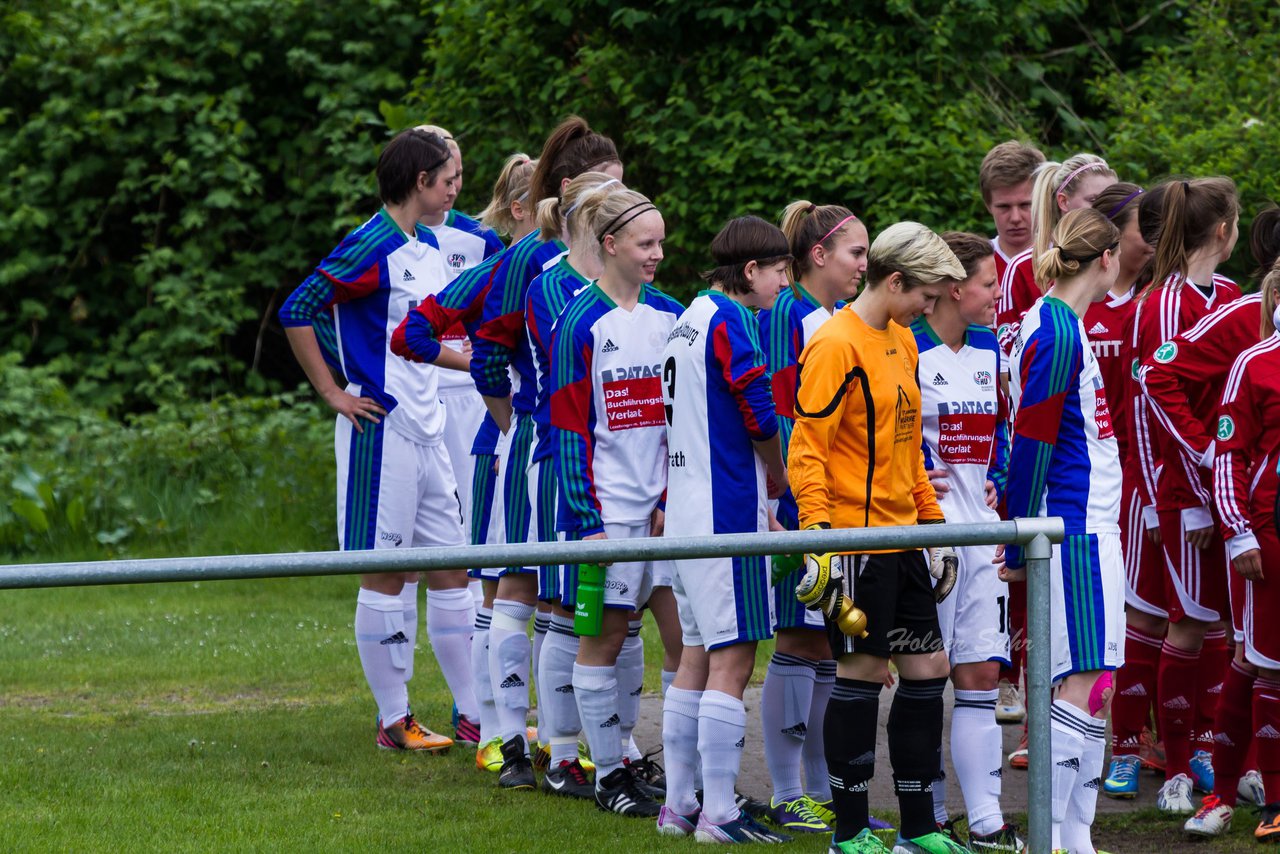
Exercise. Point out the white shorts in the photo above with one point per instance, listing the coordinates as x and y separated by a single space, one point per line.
464 411
975 618
1087 602
392 491
664 573
626 585
496 531
723 600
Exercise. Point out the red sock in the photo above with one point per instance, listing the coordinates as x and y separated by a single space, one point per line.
1177 686
1018 634
1266 720
1215 655
1233 731
1135 688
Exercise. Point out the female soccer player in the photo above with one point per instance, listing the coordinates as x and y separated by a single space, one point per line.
829 247
1198 231
966 449
1064 462
723 448
610 453
395 483
1245 476
855 461
501 350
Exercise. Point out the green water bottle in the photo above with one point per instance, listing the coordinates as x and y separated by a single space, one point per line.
588 615
784 565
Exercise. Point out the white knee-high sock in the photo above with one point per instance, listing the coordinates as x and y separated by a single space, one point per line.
630 670
381 642
1069 726
477 591
409 601
541 620
785 702
560 723
975 753
596 689
480 675
509 651
668 676
817 784
1076 830
722 726
451 618
680 747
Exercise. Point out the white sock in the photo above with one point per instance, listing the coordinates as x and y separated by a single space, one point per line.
409 601
940 797
381 642
680 747
668 676
541 620
630 670
785 702
560 723
1069 726
596 689
1076 833
451 618
722 727
480 675
977 757
509 651
817 784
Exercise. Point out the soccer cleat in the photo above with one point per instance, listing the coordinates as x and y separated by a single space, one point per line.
671 823
489 755
408 734
823 810
865 842
1175 796
1003 840
648 770
466 731
797 815
744 828
644 785
1268 830
517 770
1250 789
749 805
1151 751
948 829
1122 779
542 758
930 843
1019 758
1202 771
1009 708
1212 819
619 793
569 780
876 824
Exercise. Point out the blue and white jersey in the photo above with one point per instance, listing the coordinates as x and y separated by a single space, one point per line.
965 419
464 243
1065 460
375 277
548 294
715 388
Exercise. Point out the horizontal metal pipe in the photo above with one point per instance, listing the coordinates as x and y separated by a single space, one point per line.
224 567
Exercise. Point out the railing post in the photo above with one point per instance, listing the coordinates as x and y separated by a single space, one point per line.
1039 700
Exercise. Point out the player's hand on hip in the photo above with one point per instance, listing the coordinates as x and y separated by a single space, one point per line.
354 408
990 495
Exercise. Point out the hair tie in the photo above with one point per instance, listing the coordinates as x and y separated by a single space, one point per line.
812 207
618 223
1120 207
1186 186
448 155
573 207
524 197
1087 258
1097 164
839 225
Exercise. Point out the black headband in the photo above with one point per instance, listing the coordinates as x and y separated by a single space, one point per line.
618 223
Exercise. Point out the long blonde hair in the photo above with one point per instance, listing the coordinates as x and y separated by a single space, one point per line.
512 186
1051 179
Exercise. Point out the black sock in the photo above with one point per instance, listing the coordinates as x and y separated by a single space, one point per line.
915 749
849 732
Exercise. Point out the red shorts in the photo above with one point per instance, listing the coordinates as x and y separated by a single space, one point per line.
1198 578
1261 628
1145 572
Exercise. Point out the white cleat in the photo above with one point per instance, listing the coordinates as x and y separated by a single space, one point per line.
1211 820
1009 708
1175 796
1250 789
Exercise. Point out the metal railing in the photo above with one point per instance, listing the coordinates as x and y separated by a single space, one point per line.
1037 535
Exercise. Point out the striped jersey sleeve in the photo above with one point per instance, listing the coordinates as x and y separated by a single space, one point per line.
1248 444
351 271
418 336
736 343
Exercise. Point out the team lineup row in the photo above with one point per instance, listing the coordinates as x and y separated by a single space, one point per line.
547 388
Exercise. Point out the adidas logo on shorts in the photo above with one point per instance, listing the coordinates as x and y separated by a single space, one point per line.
800 730
1073 763
397 638
609 346
1098 329
512 681
1267 731
939 379
408 277
613 721
1178 703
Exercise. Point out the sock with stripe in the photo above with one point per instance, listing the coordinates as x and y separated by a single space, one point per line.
680 747
1135 691
560 724
785 703
1215 658
451 618
722 727
381 641
480 675
915 750
1177 689
1232 731
630 670
1266 734
816 784
1083 805
976 756
850 731
596 690
409 603
541 619
509 653
1069 726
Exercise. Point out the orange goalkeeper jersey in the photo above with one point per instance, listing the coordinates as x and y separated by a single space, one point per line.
855 459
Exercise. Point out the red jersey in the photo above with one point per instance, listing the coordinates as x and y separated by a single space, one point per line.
1160 317
1018 292
1248 443
1108 326
1002 260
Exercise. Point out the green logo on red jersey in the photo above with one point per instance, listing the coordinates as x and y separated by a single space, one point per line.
1226 428
1166 352
1133 368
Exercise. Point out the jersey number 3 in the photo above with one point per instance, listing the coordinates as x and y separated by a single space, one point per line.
669 377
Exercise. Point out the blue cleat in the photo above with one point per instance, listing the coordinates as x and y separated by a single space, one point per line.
1122 779
1202 771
